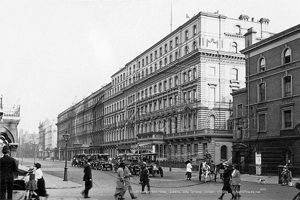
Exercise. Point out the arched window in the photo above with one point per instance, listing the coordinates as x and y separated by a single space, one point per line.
223 152
194 45
234 47
176 80
262 65
238 29
171 58
212 122
234 74
186 50
287 56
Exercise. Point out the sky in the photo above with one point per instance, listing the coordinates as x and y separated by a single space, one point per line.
54 53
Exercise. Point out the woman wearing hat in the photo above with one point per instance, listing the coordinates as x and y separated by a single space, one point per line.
226 181
188 170
31 185
39 177
236 181
286 176
120 188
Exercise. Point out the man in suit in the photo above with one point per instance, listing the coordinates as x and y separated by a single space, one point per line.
87 178
8 166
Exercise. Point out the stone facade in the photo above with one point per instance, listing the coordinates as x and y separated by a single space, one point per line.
173 99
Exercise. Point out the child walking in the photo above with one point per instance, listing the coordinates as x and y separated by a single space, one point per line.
31 186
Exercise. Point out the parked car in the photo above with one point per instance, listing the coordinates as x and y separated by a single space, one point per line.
152 163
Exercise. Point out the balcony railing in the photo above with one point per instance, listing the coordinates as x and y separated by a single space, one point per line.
151 134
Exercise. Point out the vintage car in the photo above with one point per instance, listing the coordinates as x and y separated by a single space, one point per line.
133 163
152 163
105 163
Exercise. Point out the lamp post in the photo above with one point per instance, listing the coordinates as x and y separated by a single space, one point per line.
66 137
170 163
34 152
138 148
22 152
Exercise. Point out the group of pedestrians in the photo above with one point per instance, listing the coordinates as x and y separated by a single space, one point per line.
231 177
123 181
34 185
231 181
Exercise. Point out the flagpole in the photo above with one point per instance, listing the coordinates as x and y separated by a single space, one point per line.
171 16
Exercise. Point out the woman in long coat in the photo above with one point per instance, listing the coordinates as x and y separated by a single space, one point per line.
236 181
41 191
120 187
188 170
226 182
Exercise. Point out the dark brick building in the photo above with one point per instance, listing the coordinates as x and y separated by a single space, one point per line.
265 118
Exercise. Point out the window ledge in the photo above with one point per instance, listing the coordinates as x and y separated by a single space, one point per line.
287 104
260 132
234 81
287 129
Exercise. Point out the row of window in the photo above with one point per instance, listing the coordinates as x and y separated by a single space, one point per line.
286 119
149 70
286 58
153 56
286 89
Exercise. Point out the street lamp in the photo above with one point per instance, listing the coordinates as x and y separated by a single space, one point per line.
34 152
170 164
138 148
66 137
22 152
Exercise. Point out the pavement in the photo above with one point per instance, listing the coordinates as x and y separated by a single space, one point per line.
244 177
57 185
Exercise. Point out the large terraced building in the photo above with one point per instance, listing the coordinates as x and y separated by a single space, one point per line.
172 99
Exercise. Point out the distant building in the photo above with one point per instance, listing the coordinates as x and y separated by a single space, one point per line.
266 118
48 138
28 144
172 99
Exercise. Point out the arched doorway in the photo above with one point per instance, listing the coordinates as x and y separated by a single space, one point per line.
288 156
7 138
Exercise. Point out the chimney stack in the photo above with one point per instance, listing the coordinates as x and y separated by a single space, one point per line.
250 37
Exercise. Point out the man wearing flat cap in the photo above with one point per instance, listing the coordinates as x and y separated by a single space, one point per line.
8 166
